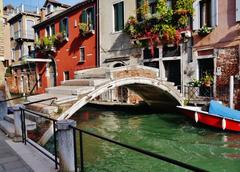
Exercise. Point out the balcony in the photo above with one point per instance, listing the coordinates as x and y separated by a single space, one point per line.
24 35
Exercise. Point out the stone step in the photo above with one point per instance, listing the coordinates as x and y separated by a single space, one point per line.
43 108
70 90
84 82
29 124
91 73
7 128
61 98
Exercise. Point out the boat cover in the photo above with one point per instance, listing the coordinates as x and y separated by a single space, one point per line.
218 109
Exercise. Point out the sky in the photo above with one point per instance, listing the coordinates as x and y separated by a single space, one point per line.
35 3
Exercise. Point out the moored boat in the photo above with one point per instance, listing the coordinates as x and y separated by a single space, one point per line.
218 116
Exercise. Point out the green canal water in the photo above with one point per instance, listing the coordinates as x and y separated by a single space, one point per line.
168 134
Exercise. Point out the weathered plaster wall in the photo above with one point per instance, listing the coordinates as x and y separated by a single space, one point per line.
116 44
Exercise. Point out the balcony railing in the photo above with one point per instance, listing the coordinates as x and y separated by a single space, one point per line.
24 34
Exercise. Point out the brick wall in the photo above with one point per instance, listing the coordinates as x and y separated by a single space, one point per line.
228 61
134 73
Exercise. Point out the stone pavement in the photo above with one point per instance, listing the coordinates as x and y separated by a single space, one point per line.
9 159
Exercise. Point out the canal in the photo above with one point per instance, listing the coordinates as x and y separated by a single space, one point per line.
169 134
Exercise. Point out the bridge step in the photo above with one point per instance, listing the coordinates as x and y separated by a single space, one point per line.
84 82
91 73
70 90
29 124
61 98
42 108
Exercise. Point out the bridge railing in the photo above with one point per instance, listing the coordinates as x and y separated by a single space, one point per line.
78 142
31 135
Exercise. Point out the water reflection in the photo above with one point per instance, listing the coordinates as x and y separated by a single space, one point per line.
171 135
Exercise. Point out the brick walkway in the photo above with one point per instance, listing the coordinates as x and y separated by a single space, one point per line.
9 160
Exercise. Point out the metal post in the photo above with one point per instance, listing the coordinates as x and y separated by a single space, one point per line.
18 122
75 149
55 144
231 92
66 144
81 150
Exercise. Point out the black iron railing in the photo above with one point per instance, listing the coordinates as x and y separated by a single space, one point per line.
198 93
26 139
139 150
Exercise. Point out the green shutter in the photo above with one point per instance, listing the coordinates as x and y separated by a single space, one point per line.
121 16
84 16
61 26
66 27
92 17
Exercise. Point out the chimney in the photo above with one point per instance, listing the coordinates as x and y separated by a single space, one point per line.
42 14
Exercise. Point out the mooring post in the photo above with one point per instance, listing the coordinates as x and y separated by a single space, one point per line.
3 105
231 92
18 122
66 144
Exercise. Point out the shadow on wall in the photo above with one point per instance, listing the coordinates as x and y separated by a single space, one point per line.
76 43
122 46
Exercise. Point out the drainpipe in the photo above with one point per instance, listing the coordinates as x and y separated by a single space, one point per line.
98 35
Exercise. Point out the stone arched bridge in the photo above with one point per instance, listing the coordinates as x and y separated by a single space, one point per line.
89 84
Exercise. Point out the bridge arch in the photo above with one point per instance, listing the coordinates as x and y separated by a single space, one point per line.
148 88
133 83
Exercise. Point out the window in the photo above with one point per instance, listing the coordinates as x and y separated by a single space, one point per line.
148 55
52 29
118 16
88 17
37 34
49 8
12 31
237 10
82 54
47 31
64 26
205 13
66 75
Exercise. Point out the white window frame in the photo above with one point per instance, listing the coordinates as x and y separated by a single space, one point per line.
80 53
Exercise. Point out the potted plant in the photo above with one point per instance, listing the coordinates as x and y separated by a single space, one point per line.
195 83
207 80
38 44
84 29
204 30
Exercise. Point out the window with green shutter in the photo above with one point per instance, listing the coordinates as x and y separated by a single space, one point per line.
64 26
88 17
118 16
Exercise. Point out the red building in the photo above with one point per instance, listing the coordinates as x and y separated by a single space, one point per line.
65 42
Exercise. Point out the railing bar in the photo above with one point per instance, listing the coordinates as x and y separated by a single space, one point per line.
22 125
24 128
81 151
151 154
38 114
12 99
75 149
55 144
42 100
53 159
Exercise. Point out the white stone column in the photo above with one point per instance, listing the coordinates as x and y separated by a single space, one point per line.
18 122
3 106
231 92
66 144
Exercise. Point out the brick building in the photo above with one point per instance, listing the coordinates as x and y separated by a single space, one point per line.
217 51
65 43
